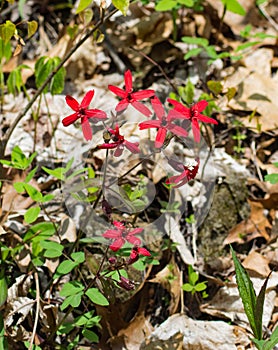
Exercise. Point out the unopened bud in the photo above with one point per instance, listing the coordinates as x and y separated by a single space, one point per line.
126 284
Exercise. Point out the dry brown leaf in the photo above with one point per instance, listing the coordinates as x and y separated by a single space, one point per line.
205 335
136 332
257 225
257 263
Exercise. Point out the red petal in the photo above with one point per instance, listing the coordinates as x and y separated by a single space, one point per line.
160 137
132 146
180 108
143 251
87 99
141 108
95 113
72 103
177 130
119 224
117 244
196 130
117 91
200 106
139 95
122 105
205 119
128 81
133 240
158 107
136 231
108 145
86 128
70 119
149 124
119 151
112 234
174 114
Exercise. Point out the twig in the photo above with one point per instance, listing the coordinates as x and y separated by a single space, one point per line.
37 310
159 67
262 8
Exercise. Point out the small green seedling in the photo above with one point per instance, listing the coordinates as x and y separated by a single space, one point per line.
193 285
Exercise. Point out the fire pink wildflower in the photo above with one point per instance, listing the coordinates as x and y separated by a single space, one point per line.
163 124
122 234
189 172
193 114
81 111
119 143
130 97
134 255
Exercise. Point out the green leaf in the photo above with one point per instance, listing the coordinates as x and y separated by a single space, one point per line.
269 344
72 300
260 308
90 335
200 286
215 86
32 214
247 294
53 249
272 178
187 287
32 28
166 5
231 93
78 257
7 31
58 172
71 288
82 5
195 41
121 5
3 287
42 230
192 53
234 6
96 297
19 187
31 174
188 92
47 198
188 3
260 2
3 339
65 267
247 45
33 192
58 81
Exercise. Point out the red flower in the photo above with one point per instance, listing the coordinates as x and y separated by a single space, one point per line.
134 255
193 114
121 234
82 111
189 172
129 97
163 124
119 143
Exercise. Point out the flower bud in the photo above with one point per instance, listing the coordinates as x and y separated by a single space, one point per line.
126 284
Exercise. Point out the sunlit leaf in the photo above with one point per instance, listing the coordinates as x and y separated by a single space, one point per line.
32 28
32 214
121 5
83 4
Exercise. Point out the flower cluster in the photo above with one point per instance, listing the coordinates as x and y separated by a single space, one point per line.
173 122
